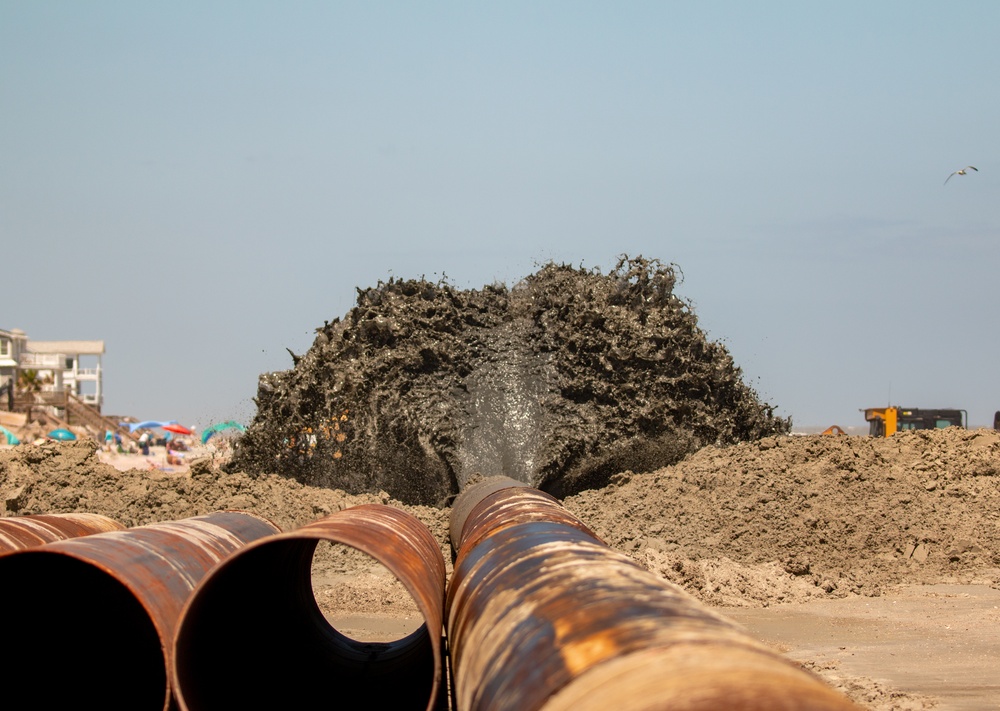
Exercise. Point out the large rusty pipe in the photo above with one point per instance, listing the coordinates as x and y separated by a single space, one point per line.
18 532
91 619
542 615
253 636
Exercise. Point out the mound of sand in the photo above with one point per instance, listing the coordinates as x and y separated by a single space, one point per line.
788 518
781 519
57 477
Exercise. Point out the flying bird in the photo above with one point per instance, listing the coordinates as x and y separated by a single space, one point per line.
963 171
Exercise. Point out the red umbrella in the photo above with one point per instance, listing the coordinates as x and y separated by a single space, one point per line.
179 429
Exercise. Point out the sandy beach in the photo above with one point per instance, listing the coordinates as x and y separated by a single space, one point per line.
177 462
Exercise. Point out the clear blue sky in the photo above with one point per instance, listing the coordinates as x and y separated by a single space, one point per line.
201 185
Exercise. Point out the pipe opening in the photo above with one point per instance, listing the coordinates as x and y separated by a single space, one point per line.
80 631
255 636
360 597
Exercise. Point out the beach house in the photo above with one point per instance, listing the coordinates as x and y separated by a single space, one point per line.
59 375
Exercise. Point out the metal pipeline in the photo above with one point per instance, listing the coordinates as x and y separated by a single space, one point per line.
98 612
18 532
253 636
542 615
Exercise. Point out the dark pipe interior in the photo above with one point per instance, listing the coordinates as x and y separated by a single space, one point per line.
254 637
76 638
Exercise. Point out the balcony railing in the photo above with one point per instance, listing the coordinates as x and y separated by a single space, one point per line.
49 399
51 361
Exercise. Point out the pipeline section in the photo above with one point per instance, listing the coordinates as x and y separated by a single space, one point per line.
19 532
99 611
253 636
543 616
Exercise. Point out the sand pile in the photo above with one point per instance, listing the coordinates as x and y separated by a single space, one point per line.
788 518
58 477
560 381
753 524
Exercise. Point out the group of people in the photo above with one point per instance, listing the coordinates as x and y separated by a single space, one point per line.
114 443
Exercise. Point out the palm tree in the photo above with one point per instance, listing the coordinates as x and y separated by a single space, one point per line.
28 381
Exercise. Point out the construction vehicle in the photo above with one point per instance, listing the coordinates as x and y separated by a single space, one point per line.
886 421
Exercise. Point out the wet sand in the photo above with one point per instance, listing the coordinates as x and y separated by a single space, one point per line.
942 641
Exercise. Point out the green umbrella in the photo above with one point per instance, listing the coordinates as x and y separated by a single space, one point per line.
62 434
11 437
227 425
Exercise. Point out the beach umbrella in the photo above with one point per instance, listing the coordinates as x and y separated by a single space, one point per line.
145 425
177 429
11 437
62 434
221 426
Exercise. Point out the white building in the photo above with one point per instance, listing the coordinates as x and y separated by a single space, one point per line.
72 367
12 344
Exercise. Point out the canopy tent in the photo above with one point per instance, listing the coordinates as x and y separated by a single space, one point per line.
228 425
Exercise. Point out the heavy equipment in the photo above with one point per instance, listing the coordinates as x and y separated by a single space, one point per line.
886 421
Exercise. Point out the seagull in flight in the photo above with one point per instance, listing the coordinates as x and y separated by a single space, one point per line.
963 171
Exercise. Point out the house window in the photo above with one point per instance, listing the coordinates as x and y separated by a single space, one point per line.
69 364
4 347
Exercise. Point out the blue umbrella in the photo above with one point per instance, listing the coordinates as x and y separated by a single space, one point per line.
147 424
11 437
62 434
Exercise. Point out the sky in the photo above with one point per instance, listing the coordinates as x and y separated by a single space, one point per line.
203 184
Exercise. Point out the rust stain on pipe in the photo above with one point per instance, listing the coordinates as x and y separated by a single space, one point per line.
18 532
252 635
541 615
95 615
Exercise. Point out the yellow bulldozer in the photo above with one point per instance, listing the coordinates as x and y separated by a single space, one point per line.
886 421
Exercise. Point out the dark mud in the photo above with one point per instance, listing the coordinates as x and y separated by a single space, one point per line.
560 381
